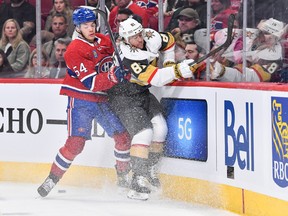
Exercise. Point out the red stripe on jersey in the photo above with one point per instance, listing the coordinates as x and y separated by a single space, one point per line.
152 75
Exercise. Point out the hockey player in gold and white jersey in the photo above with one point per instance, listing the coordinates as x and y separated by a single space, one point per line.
138 109
264 55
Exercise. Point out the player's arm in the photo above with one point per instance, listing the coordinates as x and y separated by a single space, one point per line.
167 47
81 65
155 76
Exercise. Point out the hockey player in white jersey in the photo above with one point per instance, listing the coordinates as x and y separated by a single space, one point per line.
264 55
138 109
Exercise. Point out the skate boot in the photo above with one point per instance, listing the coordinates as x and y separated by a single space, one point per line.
123 180
47 185
153 177
138 188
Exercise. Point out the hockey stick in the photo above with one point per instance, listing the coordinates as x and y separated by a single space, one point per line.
103 14
226 44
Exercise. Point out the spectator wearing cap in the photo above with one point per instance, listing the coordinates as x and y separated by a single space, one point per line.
188 23
199 5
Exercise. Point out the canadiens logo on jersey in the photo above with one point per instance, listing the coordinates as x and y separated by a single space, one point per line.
142 4
216 25
104 65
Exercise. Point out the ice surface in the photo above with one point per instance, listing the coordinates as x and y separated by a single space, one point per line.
18 199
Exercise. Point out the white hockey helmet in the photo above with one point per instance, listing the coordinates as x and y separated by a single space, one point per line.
129 27
272 26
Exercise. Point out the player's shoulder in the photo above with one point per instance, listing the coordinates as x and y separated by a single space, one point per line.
103 39
135 54
157 41
153 40
78 48
75 44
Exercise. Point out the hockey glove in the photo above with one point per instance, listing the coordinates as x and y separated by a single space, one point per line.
184 70
117 75
217 70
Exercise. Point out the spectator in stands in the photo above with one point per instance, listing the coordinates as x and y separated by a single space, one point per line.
221 9
113 4
264 55
33 70
199 5
180 3
25 14
4 14
151 7
5 67
133 7
62 7
45 37
194 51
59 68
94 3
59 28
189 22
15 48
123 14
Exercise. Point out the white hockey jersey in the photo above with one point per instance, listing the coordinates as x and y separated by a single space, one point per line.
142 63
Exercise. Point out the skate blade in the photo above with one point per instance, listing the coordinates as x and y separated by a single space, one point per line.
137 196
122 190
156 190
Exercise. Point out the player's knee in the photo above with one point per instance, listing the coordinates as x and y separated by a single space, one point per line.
75 145
143 137
160 128
140 143
122 141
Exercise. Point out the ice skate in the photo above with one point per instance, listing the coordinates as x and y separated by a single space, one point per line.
123 180
153 177
46 187
138 188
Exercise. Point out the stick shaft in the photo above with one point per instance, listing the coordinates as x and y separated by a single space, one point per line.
224 45
103 14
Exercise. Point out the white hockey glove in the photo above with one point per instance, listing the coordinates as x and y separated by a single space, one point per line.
184 70
217 70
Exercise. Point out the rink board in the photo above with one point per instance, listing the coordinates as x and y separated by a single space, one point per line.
242 165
